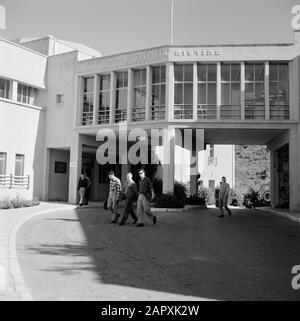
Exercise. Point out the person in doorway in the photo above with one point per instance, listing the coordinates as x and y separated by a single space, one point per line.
223 197
88 189
115 189
130 192
82 185
145 195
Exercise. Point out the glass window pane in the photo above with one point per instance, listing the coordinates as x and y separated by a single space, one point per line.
178 97
188 94
19 165
273 72
143 77
211 72
155 75
211 94
235 72
125 79
249 94
225 72
273 89
137 78
178 72
283 95
259 94
235 94
225 94
202 94
249 72
283 72
188 72
155 95
259 72
201 70
162 95
163 74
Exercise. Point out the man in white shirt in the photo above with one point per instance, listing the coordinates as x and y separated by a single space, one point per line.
223 197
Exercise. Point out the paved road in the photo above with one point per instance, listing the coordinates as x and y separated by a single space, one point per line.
78 255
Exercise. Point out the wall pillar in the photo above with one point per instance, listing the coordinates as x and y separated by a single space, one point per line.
170 91
219 90
294 168
267 100
96 99
46 173
112 97
75 168
168 167
274 178
148 113
130 94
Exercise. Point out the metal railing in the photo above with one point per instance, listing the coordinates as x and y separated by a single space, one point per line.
87 118
138 113
206 112
13 181
120 115
280 112
212 160
255 112
158 112
230 112
183 112
103 116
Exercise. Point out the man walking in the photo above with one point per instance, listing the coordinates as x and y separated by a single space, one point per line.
146 193
130 191
223 197
115 189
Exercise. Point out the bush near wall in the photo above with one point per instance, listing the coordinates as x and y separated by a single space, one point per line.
17 202
168 201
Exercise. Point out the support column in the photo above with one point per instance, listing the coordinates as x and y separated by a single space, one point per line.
168 166
130 94
45 190
148 115
14 91
124 171
218 90
267 100
242 90
79 87
112 97
75 168
195 91
170 91
96 99
274 178
294 168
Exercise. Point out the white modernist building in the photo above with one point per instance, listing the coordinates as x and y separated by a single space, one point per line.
57 99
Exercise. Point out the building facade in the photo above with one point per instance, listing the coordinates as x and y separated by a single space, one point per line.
202 95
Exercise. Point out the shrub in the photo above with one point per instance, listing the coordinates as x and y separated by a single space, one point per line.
168 201
180 191
235 198
17 202
203 192
195 200
157 186
251 198
6 204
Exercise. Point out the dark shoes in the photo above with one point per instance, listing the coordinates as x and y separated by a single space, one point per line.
113 221
229 213
154 220
134 222
122 223
221 215
140 225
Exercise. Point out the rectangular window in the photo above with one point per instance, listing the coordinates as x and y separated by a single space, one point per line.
4 88
19 165
121 96
88 101
139 104
158 101
104 99
183 95
207 91
59 98
3 157
254 91
230 91
26 94
279 91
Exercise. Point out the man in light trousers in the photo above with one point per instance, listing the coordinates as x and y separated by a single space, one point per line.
115 189
146 193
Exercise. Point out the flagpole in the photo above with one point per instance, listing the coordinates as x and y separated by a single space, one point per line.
172 22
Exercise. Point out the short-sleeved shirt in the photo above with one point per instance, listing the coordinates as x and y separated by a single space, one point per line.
224 189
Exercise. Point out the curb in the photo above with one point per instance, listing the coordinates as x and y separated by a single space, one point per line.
285 215
14 269
183 209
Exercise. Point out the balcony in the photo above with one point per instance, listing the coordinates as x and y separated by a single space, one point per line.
230 112
13 181
158 112
206 112
255 112
121 115
87 118
183 112
103 116
280 112
138 113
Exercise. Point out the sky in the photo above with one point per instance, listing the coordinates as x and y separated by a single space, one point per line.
114 26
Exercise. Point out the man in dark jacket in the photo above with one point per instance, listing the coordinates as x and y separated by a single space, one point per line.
130 191
146 194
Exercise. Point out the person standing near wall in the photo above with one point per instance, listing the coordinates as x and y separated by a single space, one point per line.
146 193
223 197
115 189
130 191
82 185
88 189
